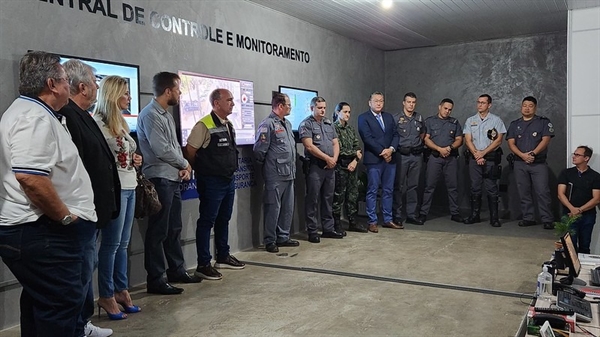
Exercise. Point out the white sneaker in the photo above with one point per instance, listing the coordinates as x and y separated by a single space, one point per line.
93 331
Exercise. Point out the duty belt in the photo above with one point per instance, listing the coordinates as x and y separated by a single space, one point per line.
408 150
453 153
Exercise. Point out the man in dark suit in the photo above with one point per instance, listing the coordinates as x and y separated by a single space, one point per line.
99 163
377 130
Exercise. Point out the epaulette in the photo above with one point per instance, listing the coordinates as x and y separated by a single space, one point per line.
327 120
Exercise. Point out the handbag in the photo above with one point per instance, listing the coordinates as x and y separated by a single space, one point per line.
146 197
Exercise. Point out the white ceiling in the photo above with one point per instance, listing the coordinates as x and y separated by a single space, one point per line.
420 23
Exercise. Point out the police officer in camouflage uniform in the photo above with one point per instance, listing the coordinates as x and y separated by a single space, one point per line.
443 137
409 159
528 138
275 150
346 180
483 136
322 149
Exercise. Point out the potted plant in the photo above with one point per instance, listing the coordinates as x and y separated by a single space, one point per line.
563 226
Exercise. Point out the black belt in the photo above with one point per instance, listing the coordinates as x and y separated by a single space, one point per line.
408 150
453 153
537 160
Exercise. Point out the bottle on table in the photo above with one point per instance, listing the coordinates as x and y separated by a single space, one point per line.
544 285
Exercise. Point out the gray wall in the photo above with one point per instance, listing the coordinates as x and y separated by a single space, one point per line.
506 69
339 68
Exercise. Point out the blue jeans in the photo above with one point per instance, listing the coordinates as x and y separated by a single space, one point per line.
90 260
163 234
112 256
47 259
216 205
382 174
583 232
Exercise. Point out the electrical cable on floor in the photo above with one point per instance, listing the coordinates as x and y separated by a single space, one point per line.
390 279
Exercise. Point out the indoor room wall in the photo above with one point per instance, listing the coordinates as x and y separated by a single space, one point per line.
506 69
583 109
338 67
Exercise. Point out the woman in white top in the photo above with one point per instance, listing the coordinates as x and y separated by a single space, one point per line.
113 284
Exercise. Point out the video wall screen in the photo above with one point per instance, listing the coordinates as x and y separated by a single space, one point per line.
194 104
300 101
128 71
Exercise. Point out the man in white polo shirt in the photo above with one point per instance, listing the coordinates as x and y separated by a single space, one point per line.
46 200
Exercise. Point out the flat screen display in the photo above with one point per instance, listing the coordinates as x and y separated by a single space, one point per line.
572 257
194 104
128 71
300 100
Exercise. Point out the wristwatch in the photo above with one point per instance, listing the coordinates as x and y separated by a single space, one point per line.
67 220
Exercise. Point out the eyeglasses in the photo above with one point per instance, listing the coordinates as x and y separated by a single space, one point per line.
481 103
66 79
578 155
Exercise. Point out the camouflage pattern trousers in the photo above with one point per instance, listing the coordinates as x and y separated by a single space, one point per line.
346 193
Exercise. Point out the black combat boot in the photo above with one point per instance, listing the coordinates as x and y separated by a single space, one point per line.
475 210
354 227
493 206
337 225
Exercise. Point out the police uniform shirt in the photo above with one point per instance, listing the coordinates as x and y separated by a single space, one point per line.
410 129
275 148
580 186
484 131
322 134
443 131
528 134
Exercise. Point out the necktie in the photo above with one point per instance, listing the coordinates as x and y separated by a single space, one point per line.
378 116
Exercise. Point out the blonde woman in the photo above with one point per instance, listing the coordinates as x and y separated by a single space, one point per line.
113 284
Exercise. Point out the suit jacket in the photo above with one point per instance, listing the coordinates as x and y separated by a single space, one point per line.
375 138
98 161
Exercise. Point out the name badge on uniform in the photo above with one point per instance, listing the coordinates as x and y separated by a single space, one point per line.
474 123
492 134
401 121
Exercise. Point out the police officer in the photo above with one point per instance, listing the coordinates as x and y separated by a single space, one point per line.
528 138
444 135
483 136
275 150
409 159
346 180
322 149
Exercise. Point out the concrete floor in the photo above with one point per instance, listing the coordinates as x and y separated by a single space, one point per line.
393 283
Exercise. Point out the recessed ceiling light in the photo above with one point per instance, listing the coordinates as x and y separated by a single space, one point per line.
386 4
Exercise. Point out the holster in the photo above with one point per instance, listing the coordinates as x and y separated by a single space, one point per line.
305 165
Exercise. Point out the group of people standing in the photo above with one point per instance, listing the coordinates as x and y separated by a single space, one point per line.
69 176
396 146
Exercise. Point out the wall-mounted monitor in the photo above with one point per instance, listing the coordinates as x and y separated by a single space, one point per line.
194 104
130 72
300 100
